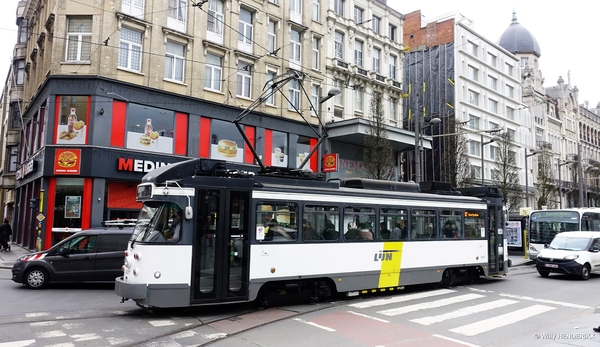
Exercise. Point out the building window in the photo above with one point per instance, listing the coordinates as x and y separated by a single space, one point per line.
294 95
524 61
392 32
12 158
474 148
492 106
358 99
510 91
20 71
295 48
316 15
473 122
214 69
393 67
339 45
393 112
174 59
68 198
473 73
134 8
510 113
215 17
338 7
245 28
79 38
339 99
376 24
492 60
314 98
358 15
472 48
473 98
475 171
272 38
130 49
270 76
376 60
508 69
296 6
493 125
22 38
177 9
244 80
316 42
492 82
510 134
492 152
358 54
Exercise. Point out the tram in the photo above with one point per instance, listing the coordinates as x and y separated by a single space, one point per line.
208 235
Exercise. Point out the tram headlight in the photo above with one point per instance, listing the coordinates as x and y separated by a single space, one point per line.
135 272
126 263
157 274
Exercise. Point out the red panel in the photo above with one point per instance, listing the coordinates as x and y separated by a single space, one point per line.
50 201
181 133
117 136
122 195
56 119
204 142
86 204
316 156
248 156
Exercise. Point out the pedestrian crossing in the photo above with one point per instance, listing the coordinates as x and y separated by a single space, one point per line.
469 307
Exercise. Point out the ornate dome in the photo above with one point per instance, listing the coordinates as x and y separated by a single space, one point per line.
517 39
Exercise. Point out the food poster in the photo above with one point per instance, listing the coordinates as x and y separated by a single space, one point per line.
73 206
279 155
300 158
513 233
150 139
67 161
71 128
226 142
279 158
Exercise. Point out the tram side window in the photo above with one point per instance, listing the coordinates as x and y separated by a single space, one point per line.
359 222
320 223
276 222
451 224
475 224
393 224
423 224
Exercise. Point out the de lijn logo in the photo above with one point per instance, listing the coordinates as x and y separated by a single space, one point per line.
384 255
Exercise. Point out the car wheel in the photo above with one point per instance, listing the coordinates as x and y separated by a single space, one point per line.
585 272
544 273
37 278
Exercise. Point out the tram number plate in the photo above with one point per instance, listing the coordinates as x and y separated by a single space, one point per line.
552 265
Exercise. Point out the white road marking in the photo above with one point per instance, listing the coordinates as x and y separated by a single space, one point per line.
500 321
42 324
314 325
430 304
543 301
455 340
370 317
117 340
22 343
36 314
465 311
85 337
215 336
162 323
401 298
54 333
66 344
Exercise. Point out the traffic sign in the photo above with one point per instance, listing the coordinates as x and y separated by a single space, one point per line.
40 217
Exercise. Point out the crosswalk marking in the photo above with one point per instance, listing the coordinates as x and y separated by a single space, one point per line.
501 320
543 301
465 311
401 298
430 304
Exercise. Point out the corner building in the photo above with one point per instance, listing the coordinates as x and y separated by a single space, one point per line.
107 91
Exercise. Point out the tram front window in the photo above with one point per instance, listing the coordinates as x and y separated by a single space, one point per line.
163 226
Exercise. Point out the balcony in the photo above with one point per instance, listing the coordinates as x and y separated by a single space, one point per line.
342 64
544 145
361 71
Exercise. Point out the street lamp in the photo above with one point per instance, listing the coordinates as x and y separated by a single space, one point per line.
330 94
527 175
434 121
566 162
494 138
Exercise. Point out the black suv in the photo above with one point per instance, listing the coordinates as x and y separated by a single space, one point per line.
93 255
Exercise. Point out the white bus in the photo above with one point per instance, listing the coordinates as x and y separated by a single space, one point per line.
246 237
545 224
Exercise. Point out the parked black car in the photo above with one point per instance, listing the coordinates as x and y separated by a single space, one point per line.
93 255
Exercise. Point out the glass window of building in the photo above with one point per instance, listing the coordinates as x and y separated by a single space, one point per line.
130 49
339 45
214 72
68 199
79 38
244 80
215 17
174 61
150 128
316 15
316 42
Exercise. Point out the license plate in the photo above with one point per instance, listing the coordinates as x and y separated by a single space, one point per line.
551 265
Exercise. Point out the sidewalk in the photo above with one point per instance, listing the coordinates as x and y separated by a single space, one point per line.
7 259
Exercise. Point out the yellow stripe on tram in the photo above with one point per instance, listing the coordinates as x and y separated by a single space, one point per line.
391 261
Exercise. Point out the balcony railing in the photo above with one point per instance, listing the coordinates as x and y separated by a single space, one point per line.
342 64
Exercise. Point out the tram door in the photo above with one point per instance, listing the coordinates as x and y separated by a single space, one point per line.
221 246
496 240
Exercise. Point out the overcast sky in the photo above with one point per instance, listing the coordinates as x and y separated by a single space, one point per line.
566 34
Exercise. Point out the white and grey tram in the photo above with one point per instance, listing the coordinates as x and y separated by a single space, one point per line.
209 235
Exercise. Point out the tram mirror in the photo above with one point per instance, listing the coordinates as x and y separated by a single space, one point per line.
189 213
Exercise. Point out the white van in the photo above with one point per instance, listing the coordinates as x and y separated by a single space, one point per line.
572 253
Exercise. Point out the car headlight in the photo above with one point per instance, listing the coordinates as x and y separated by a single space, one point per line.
531 248
572 257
